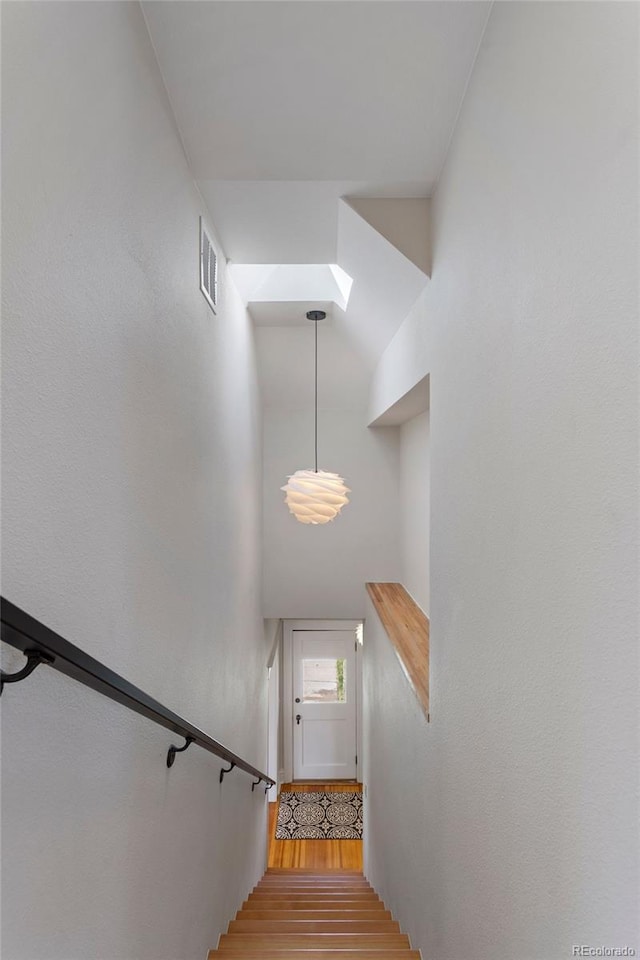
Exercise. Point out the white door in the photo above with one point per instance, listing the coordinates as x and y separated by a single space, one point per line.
324 707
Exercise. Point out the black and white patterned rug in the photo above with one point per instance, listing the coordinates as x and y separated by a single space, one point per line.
320 815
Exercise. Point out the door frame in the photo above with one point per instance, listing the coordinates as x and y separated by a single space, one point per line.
286 705
274 705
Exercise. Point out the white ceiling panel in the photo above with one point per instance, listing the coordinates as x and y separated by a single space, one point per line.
287 221
315 90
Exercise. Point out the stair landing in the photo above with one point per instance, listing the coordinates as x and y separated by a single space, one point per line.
312 854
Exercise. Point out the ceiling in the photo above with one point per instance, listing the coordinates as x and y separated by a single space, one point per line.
316 90
288 221
286 107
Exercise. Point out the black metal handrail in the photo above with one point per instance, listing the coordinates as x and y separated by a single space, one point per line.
42 645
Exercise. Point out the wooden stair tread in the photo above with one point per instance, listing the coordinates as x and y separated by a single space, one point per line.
355 884
333 877
314 926
316 872
333 903
338 914
366 954
299 873
306 887
325 941
325 878
313 892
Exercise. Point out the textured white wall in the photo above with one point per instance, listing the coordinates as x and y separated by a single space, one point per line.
319 572
512 834
415 499
405 362
131 513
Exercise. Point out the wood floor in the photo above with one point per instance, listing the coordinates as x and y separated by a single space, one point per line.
314 854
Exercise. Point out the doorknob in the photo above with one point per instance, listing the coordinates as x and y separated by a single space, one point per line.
297 699
298 718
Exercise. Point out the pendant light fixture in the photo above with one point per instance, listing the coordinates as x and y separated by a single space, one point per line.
315 496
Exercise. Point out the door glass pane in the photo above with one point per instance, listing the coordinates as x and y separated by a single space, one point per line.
324 681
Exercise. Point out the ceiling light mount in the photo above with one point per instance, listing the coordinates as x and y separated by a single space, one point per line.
316 315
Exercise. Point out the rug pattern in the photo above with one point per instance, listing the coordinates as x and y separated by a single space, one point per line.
320 815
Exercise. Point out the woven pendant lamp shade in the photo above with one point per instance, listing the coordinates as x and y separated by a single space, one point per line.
315 497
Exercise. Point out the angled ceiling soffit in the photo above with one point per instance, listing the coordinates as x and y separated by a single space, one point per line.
404 221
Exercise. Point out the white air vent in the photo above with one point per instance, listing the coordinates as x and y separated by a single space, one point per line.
208 268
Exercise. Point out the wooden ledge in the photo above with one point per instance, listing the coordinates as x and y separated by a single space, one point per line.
408 629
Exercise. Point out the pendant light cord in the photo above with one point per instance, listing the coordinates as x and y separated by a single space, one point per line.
316 394
315 315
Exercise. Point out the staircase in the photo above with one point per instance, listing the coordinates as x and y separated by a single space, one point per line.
314 915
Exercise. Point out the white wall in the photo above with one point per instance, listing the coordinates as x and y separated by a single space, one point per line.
274 629
319 572
131 513
513 834
415 474
404 364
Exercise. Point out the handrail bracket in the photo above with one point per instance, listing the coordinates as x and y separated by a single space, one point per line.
228 770
34 659
171 753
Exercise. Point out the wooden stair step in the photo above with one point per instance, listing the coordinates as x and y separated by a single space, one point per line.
309 890
331 903
304 871
317 941
330 878
313 893
324 880
312 887
366 954
314 926
337 914
362 896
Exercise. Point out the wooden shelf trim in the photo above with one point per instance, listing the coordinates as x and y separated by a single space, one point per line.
407 627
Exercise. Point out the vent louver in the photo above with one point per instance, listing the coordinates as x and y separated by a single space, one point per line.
208 269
